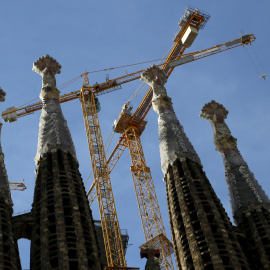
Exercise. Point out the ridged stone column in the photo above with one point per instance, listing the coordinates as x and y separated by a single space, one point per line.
250 205
202 234
9 254
63 235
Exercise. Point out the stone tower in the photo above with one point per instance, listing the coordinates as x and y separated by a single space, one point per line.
63 235
9 254
202 233
250 205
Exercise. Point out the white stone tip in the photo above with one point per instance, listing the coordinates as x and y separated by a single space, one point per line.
48 62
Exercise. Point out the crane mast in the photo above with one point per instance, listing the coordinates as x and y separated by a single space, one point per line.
109 221
152 223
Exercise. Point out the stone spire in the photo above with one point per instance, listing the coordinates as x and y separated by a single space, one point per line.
53 130
244 190
173 140
63 234
4 183
203 237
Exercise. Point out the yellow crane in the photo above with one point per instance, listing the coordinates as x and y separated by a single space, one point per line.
134 126
131 128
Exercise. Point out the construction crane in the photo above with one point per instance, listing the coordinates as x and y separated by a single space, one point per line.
192 19
131 128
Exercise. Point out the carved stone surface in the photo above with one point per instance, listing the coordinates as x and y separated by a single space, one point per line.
152 264
202 234
249 202
173 140
53 130
244 190
63 235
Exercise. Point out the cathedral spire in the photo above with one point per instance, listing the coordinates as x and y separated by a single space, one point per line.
173 141
244 190
63 234
53 131
203 237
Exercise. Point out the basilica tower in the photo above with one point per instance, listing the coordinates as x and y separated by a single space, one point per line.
250 205
202 233
63 235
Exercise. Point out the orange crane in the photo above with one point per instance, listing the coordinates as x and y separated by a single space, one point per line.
193 18
132 127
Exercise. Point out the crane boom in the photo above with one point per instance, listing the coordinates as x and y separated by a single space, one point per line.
11 114
171 63
125 118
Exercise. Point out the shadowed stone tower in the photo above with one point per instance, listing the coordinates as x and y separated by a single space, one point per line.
63 235
250 205
202 234
9 255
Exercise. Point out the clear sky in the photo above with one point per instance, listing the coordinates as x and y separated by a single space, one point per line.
92 35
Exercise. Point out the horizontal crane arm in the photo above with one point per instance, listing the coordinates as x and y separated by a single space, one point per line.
138 117
169 65
11 114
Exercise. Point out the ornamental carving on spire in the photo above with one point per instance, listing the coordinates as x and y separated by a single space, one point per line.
47 67
173 140
215 113
53 130
245 191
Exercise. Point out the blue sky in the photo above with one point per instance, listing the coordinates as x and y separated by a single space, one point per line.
92 35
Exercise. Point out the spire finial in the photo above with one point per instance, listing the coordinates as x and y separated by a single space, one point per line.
245 191
47 67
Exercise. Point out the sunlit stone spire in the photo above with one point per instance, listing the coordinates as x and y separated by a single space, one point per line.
198 221
173 140
244 190
63 234
53 130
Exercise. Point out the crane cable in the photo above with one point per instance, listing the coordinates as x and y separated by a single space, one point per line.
140 63
254 64
262 68
60 87
95 71
69 82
